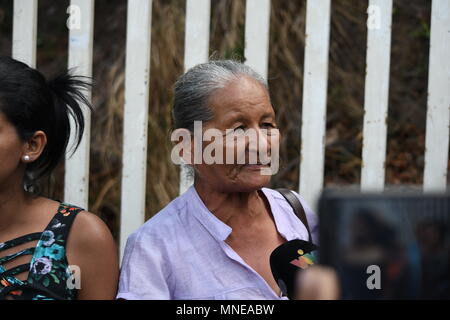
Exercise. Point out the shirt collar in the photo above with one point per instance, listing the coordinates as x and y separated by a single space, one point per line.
218 229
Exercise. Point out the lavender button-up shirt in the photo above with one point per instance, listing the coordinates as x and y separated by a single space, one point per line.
181 253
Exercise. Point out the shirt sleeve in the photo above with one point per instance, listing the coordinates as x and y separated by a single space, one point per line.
143 274
313 219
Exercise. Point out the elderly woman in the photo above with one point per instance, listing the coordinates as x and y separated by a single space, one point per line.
214 241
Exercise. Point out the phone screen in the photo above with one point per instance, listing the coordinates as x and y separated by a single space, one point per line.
387 246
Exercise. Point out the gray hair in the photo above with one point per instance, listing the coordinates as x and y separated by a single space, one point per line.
194 88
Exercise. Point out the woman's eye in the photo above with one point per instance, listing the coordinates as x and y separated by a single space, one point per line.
242 127
269 125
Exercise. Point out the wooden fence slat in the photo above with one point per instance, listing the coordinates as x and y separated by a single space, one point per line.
25 31
76 186
438 114
314 99
257 31
198 17
136 107
376 95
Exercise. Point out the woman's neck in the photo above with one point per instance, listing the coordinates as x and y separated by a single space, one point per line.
231 207
13 200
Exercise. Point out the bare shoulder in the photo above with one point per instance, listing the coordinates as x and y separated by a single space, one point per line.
89 231
91 247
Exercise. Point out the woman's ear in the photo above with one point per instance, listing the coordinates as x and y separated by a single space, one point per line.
182 152
34 147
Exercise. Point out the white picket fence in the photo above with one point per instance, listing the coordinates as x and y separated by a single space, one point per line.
256 52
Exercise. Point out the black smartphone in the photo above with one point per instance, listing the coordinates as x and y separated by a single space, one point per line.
387 246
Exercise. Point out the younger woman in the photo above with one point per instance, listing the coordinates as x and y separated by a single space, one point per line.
48 249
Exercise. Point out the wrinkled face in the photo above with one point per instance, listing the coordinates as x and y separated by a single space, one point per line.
11 150
242 112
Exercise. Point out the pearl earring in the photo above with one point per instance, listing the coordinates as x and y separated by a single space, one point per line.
26 158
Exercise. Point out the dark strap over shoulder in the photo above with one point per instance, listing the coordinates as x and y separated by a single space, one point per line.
52 247
48 255
292 199
63 220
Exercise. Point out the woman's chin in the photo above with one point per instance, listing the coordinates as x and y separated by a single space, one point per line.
252 181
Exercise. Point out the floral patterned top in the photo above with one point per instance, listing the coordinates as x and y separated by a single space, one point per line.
49 277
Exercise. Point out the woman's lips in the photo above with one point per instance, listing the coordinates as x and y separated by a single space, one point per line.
256 166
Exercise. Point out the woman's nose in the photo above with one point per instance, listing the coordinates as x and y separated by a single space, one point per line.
258 141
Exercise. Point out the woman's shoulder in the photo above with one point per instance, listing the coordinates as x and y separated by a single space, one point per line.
284 204
276 194
78 222
89 236
311 216
88 227
91 247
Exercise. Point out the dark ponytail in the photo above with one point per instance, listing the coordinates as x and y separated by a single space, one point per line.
31 103
67 92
